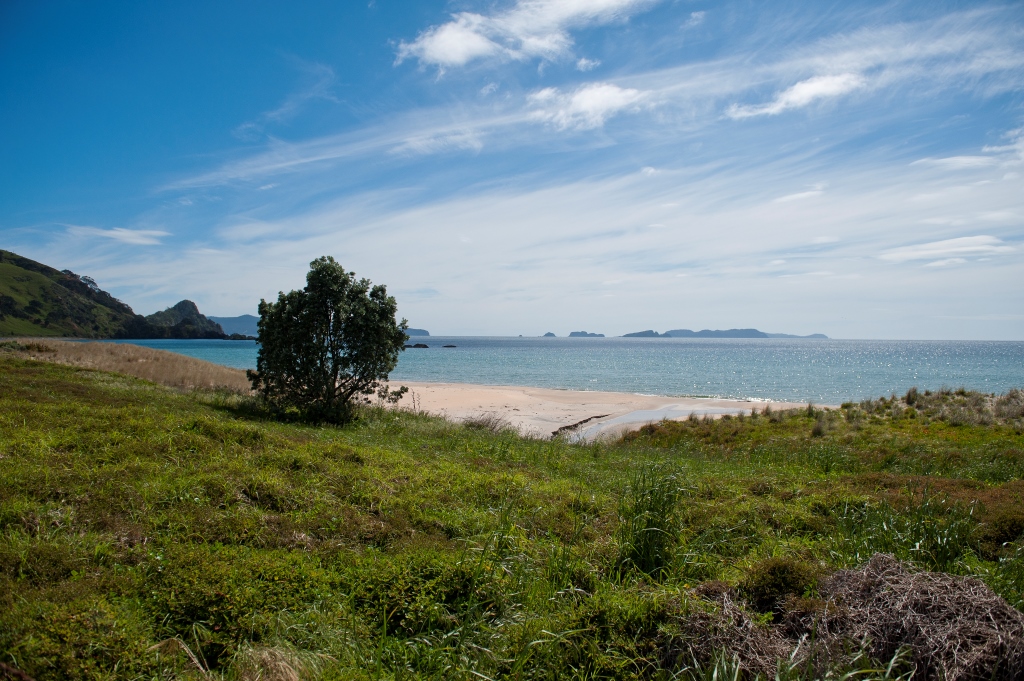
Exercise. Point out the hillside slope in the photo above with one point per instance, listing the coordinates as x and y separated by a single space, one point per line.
39 300
184 320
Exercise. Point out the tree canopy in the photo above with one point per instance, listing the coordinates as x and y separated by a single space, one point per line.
327 345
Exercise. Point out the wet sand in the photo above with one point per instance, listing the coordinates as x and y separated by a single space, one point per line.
541 412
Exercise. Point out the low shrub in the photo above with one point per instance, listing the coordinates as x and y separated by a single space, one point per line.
769 582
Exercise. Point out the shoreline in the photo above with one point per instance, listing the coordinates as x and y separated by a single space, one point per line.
543 412
533 411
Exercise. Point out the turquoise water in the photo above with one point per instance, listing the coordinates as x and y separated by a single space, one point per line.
823 371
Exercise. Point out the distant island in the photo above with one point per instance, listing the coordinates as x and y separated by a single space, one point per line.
708 333
244 324
584 334
39 300
549 335
417 332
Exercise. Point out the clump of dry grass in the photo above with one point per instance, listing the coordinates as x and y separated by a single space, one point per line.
158 366
942 626
960 407
956 627
729 628
266 663
1011 405
490 422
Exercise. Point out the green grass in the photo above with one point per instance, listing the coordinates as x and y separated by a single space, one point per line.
147 533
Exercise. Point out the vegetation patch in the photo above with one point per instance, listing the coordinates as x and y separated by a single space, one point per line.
148 531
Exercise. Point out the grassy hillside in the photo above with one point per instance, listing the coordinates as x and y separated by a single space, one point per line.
37 300
186 321
150 533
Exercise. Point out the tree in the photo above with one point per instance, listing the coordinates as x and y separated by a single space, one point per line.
331 343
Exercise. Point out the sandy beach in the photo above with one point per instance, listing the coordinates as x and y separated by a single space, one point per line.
543 411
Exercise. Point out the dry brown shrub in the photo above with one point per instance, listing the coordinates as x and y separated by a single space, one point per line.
956 627
1011 405
730 628
952 628
158 366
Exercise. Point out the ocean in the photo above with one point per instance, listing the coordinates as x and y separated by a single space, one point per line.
820 371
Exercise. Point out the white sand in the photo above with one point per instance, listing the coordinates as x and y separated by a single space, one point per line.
541 411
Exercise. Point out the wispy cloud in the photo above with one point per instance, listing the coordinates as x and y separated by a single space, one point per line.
971 52
529 29
947 262
958 162
317 83
696 19
135 237
586 107
948 251
802 94
799 196
442 142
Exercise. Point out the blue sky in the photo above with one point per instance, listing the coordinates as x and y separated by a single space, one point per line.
522 166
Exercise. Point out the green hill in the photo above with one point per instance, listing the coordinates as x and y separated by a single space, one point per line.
39 300
184 320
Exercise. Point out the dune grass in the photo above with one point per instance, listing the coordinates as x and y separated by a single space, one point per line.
158 366
147 532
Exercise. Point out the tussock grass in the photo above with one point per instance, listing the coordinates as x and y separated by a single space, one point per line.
159 366
147 532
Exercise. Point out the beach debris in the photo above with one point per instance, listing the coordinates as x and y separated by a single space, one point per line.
573 426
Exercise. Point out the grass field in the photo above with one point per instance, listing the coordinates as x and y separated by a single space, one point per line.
151 533
166 368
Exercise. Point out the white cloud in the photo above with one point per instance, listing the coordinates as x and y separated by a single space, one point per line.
453 44
802 94
696 19
586 107
798 196
926 59
958 162
584 64
948 249
135 237
947 262
529 29
439 143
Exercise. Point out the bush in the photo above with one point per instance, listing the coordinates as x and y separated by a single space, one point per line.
1011 405
323 346
769 582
